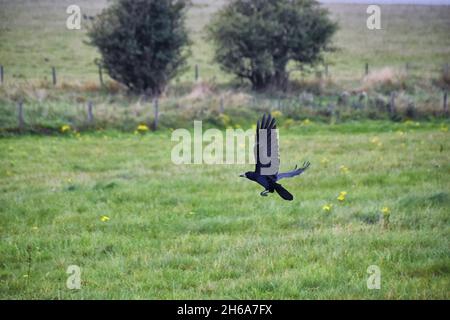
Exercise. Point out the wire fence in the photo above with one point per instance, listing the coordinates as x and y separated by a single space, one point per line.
20 114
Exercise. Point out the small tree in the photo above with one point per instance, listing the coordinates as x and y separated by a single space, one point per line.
142 42
256 39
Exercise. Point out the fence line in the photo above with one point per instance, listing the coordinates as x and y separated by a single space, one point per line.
408 67
295 107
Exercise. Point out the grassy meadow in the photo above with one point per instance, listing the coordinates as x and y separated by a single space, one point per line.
200 231
110 200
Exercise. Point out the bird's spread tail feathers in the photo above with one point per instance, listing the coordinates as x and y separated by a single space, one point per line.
283 192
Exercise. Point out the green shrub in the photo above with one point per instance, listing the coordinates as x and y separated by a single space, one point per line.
142 42
255 39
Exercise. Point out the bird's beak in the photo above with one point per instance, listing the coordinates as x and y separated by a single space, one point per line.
242 175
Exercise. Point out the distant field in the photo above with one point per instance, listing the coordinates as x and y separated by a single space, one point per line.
33 38
198 231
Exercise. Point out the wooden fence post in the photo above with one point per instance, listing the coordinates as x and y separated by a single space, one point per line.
196 72
156 111
332 112
54 75
100 75
367 68
319 75
1 74
20 114
343 99
392 104
90 115
362 99
221 106
445 104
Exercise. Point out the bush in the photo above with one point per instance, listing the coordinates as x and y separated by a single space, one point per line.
142 42
256 39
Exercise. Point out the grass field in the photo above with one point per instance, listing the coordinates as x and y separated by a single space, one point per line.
202 232
33 37
140 227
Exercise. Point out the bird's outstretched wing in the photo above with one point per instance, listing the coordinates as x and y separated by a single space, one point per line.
266 150
294 172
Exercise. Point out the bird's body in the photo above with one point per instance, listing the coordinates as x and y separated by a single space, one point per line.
266 172
265 181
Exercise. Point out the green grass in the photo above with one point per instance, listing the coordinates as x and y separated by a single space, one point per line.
413 34
33 37
200 231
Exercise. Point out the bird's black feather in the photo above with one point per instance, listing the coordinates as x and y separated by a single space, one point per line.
286 195
266 144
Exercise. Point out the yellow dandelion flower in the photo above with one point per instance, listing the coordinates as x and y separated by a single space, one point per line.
276 113
342 195
226 120
288 123
65 128
142 128
385 210
344 169
306 122
104 218
327 207
408 122
34 228
375 140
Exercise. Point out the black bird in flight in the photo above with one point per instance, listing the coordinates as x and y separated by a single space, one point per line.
267 158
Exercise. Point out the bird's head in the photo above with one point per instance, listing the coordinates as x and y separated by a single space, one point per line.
249 175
